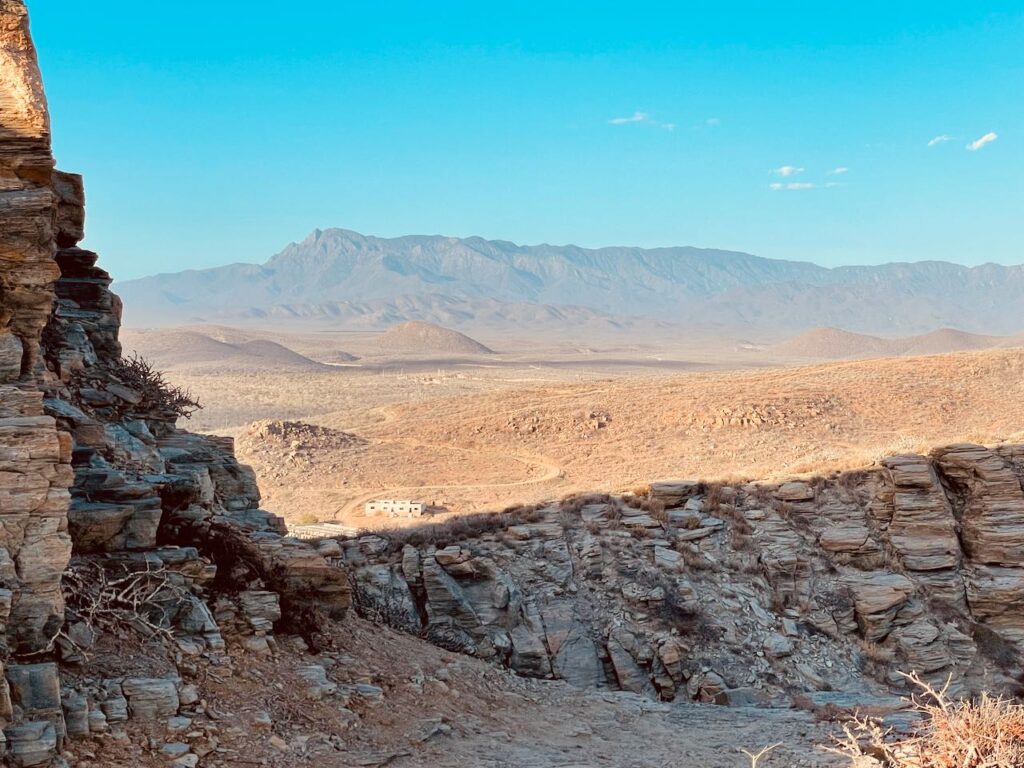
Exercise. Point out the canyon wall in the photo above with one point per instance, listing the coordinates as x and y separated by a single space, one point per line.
35 456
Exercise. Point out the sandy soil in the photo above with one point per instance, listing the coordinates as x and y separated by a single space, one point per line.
471 435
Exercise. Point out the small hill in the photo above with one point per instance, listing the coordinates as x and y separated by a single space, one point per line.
296 435
419 337
176 348
834 344
948 340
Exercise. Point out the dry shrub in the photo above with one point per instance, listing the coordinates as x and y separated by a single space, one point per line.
158 396
712 497
987 732
123 597
574 504
695 560
656 509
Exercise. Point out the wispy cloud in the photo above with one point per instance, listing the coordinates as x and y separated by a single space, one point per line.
712 121
940 140
636 117
787 170
840 170
794 185
977 144
641 117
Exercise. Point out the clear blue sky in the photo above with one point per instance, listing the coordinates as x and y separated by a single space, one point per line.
213 132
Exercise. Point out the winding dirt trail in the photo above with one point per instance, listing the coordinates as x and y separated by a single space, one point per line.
548 468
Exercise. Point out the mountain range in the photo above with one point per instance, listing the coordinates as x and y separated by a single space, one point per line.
345 279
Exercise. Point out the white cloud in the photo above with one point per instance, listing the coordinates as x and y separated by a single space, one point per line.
796 185
977 144
713 121
669 126
940 140
636 117
787 170
839 170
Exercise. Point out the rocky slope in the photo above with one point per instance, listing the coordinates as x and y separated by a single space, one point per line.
809 593
343 276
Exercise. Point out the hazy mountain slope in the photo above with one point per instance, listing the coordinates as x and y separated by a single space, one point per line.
332 271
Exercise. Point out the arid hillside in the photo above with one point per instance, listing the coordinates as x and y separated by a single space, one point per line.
836 344
474 438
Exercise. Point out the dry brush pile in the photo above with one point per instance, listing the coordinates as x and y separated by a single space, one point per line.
985 732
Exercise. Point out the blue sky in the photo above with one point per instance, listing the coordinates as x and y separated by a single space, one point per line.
214 132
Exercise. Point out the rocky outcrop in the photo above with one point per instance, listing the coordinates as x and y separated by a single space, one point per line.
736 594
27 201
35 457
162 528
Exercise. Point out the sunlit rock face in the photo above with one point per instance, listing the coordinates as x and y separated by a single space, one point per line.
92 466
35 457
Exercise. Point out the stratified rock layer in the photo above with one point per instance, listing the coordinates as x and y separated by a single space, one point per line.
735 594
145 497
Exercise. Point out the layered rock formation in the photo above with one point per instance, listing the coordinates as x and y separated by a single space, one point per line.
34 456
162 527
750 594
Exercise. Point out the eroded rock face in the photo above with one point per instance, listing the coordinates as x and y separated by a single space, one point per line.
27 200
737 594
89 462
35 457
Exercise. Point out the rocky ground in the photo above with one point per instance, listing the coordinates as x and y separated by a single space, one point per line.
372 696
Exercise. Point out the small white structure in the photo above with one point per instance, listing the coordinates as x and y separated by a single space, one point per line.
395 507
321 531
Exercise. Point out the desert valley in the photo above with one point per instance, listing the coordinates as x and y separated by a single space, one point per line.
474 429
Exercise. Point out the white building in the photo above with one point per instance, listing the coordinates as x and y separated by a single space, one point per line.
395 507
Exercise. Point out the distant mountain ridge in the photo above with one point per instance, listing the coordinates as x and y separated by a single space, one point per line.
343 275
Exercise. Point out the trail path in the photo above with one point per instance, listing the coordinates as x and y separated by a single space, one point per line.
549 470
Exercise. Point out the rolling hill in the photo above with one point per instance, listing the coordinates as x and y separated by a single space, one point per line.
170 349
836 344
418 337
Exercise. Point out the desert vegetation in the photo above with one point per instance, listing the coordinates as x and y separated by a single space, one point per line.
984 732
